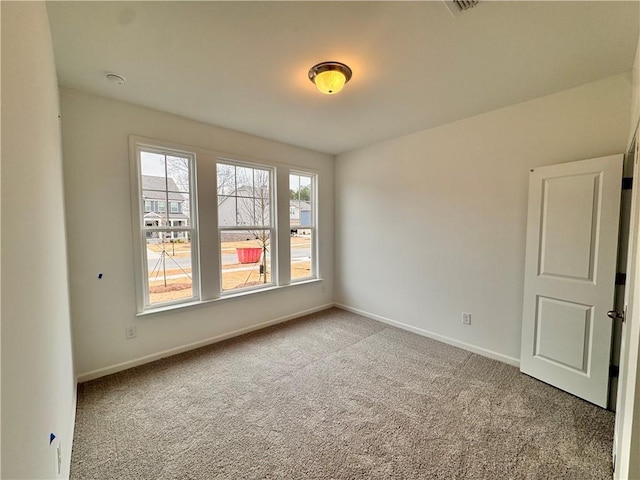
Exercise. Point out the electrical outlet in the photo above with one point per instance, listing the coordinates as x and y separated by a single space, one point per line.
59 455
466 318
130 332
55 444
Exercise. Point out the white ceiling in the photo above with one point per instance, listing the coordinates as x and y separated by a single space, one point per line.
243 65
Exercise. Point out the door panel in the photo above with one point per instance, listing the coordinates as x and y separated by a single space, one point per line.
563 332
568 226
570 266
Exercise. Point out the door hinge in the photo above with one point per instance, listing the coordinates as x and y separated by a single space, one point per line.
614 371
621 278
627 183
630 156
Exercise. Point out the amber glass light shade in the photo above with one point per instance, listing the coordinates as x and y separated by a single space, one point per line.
330 82
330 77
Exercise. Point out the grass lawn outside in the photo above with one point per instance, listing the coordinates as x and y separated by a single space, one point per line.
178 284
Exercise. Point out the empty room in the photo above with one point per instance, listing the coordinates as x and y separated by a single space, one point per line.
324 240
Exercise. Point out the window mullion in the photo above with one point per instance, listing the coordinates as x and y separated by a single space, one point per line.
283 229
209 239
166 191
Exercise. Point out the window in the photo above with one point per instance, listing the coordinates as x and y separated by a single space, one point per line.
302 225
246 230
233 247
169 259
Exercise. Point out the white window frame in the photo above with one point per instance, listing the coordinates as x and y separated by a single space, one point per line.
314 224
137 146
272 228
204 225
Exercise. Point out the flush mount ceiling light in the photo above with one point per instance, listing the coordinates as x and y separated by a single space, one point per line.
330 77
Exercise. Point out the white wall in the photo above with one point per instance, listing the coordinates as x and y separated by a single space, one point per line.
38 385
95 142
433 224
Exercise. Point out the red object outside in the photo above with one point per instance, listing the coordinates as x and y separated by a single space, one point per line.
249 255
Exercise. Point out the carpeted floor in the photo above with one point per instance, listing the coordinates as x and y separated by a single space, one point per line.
334 396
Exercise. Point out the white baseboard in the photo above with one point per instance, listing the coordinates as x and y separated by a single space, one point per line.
101 372
441 338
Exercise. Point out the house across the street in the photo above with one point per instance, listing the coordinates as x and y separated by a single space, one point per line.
156 213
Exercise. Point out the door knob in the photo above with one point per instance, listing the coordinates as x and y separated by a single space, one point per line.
614 315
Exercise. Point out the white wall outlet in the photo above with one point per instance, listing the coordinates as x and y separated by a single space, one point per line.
55 444
466 318
130 332
59 456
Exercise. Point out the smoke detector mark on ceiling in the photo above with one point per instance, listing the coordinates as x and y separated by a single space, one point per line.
115 78
457 7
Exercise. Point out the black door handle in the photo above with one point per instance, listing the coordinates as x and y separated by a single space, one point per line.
614 315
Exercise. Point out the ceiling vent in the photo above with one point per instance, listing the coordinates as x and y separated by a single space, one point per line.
456 7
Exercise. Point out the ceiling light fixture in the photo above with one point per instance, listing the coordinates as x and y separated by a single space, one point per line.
330 77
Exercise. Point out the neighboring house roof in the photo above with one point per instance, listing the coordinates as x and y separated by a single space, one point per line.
151 183
303 205
244 191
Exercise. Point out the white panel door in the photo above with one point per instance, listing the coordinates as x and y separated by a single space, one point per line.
570 269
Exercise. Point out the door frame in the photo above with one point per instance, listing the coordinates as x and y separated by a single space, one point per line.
626 448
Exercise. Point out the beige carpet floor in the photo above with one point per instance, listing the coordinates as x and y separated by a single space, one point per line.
335 396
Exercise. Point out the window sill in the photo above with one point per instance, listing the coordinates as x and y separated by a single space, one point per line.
223 298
